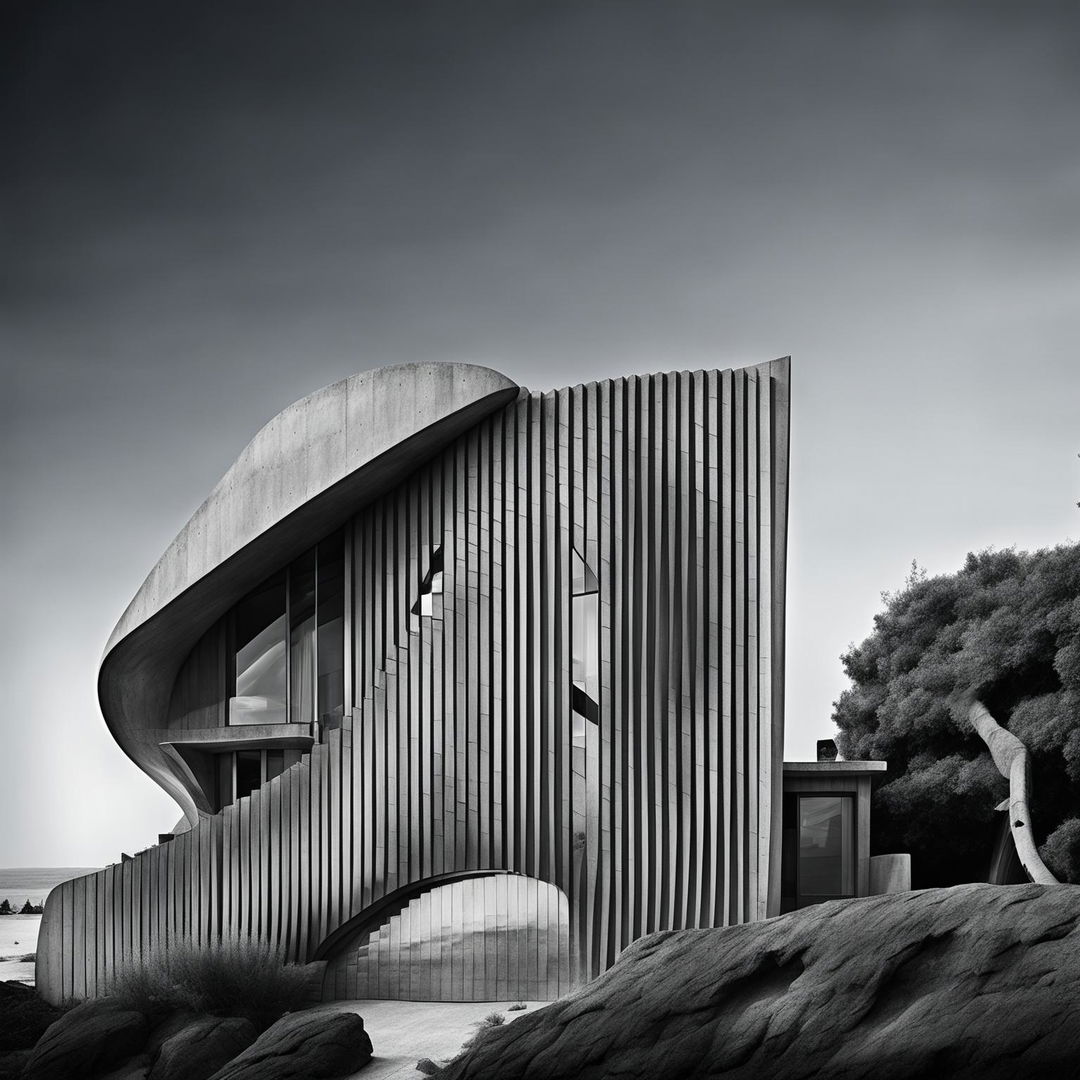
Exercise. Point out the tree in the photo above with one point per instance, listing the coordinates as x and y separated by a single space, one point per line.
1006 629
6 908
31 909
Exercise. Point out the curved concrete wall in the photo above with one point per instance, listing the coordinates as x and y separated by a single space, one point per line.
462 753
300 477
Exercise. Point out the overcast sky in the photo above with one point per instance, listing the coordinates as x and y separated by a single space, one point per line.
211 209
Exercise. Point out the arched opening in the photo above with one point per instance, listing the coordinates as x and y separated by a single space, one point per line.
486 937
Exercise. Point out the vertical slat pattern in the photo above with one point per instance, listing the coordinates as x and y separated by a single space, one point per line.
457 754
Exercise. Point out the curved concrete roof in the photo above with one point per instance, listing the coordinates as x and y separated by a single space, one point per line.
302 475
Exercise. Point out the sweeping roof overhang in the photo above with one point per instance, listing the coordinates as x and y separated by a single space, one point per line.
299 478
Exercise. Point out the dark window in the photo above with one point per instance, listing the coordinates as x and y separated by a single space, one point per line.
248 771
275 764
240 772
260 658
224 779
826 859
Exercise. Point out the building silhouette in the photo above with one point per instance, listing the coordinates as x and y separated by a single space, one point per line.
461 688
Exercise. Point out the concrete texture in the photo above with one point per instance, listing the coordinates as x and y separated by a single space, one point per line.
403 1032
455 753
301 475
890 874
977 982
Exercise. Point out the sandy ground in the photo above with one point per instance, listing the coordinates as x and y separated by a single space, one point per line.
402 1032
18 937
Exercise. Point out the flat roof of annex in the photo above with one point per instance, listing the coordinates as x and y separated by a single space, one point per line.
834 768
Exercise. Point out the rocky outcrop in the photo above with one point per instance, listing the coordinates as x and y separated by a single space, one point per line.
92 1040
977 982
136 1068
318 1044
201 1048
24 1016
106 1040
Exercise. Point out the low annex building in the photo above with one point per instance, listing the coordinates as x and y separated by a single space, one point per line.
461 688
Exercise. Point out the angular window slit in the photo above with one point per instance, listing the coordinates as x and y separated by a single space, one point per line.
584 638
430 587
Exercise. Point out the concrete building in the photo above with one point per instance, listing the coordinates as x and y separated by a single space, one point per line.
461 688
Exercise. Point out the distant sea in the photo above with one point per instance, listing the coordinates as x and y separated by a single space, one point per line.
34 883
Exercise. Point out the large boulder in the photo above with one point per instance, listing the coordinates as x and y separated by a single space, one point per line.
317 1044
166 1027
11 1063
24 1016
202 1047
978 982
136 1068
91 1040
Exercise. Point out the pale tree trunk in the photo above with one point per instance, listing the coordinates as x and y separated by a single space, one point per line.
1011 758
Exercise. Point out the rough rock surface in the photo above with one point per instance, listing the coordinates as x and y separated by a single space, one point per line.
136 1068
316 1044
198 1050
12 1062
979 982
174 1021
93 1039
24 1017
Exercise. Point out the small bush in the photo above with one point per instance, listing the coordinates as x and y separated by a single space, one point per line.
492 1020
232 978
146 987
518 1006
1061 852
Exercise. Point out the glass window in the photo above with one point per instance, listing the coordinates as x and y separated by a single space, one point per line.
431 587
584 637
826 848
259 696
290 642
331 627
302 639
240 772
582 580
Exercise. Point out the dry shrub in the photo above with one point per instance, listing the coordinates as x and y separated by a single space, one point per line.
234 977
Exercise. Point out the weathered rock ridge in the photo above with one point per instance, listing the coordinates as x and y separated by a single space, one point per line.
312 1045
979 982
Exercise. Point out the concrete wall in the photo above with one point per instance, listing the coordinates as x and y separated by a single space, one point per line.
460 754
890 873
492 938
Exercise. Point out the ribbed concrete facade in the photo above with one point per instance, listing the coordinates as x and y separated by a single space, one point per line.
564 698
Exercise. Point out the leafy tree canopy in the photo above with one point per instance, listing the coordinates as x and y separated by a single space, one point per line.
1006 629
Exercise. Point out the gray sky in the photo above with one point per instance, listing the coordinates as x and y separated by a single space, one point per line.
211 209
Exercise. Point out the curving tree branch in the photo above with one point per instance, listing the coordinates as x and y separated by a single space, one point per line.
1011 758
